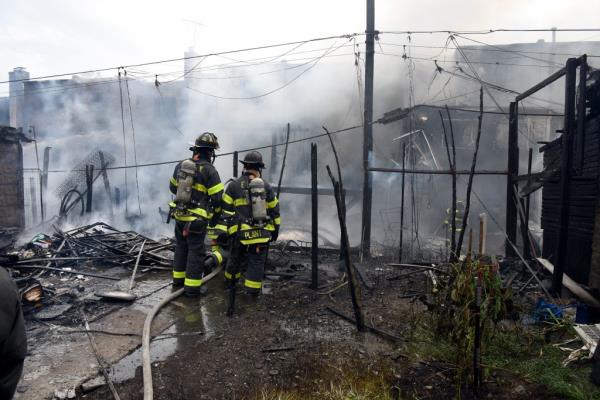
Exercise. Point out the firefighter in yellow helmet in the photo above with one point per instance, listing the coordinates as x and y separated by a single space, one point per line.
254 222
198 192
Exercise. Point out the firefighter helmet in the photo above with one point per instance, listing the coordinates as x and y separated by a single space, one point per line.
253 159
207 140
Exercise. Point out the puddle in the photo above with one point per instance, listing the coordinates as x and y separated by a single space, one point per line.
159 351
193 317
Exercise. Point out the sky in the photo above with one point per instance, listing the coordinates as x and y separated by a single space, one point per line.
58 36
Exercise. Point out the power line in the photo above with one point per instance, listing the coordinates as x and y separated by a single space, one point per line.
454 61
510 51
343 130
497 49
270 91
55 89
531 114
270 46
137 182
124 144
488 31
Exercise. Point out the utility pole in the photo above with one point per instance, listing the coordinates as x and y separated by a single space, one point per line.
368 131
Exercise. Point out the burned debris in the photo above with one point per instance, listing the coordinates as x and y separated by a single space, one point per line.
439 238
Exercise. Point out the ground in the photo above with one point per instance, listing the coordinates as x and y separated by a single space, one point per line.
287 345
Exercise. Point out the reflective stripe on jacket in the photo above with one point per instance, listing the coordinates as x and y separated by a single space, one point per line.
207 192
236 205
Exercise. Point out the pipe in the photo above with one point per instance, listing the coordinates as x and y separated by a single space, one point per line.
146 364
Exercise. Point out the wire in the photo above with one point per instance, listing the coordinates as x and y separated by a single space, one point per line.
343 130
488 31
476 75
270 91
137 182
269 46
185 73
550 62
497 49
162 107
124 143
453 61
153 75
490 112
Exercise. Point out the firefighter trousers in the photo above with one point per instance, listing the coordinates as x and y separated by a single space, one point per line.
188 264
251 260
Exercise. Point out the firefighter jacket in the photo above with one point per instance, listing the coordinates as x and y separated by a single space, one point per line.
458 219
207 191
236 205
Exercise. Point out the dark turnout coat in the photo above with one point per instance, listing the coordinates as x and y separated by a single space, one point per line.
13 342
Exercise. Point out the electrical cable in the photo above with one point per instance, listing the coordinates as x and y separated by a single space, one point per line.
497 49
343 130
21 92
488 31
137 182
330 50
124 144
550 62
162 107
453 61
346 36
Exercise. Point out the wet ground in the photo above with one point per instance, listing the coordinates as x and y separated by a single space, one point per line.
284 340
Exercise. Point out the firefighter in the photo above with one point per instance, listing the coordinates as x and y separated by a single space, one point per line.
460 212
198 191
253 209
13 342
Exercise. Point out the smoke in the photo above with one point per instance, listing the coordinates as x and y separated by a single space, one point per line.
249 104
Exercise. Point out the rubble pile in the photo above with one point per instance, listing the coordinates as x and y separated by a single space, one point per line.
52 272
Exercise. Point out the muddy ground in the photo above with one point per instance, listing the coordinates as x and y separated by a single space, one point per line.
287 342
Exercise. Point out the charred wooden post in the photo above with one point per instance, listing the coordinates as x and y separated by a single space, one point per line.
274 139
342 191
477 340
527 243
471 176
89 181
44 177
315 215
453 255
352 278
566 165
453 173
235 164
513 172
33 201
402 204
287 142
583 71
103 166
117 197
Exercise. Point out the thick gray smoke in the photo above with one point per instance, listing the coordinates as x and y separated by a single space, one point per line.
243 106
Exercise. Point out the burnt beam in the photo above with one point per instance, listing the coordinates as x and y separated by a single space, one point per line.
566 163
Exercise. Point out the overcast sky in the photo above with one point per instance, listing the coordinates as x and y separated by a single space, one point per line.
55 36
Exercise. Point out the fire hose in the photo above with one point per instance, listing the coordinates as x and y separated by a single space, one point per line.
146 364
